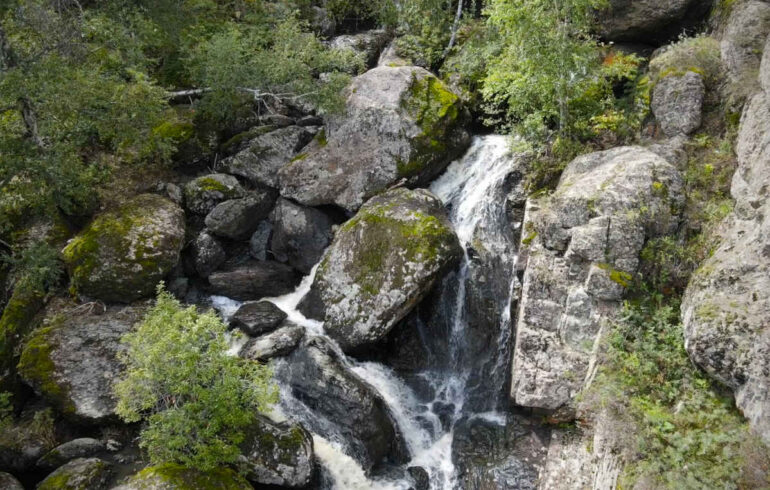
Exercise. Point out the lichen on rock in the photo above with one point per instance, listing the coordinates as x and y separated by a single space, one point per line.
380 264
122 254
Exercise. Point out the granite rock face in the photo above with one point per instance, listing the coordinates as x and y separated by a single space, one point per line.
400 123
726 305
677 103
743 39
579 250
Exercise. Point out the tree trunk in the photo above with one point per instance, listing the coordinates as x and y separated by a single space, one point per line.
455 26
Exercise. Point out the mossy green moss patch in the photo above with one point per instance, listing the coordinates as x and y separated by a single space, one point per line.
177 477
123 253
436 110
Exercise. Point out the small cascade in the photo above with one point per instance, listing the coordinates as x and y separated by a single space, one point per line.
475 191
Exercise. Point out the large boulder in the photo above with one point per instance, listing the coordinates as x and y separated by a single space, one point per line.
401 123
122 254
79 474
580 248
278 454
726 305
254 280
260 161
743 39
257 317
344 407
238 218
204 193
677 103
300 234
176 477
381 264
649 21
71 360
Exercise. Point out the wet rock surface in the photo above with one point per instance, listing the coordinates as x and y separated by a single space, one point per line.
253 280
350 407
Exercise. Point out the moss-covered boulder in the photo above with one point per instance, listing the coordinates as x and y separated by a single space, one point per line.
122 254
201 195
278 454
71 360
16 321
176 477
79 474
8 482
400 123
380 265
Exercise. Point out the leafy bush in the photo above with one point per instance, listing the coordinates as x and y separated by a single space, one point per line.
684 431
195 399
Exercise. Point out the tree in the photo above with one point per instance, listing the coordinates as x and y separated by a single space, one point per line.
549 60
195 398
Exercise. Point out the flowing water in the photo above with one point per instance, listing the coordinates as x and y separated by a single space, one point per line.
472 190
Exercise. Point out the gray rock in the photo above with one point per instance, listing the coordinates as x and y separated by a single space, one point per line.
581 458
204 193
367 45
123 254
259 243
677 103
79 474
726 305
253 280
72 360
208 254
580 248
381 264
649 21
238 218
8 482
278 454
744 38
300 234
343 404
76 448
400 123
420 477
257 317
275 344
266 154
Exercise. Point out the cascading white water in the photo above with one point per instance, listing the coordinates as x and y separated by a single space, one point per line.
466 189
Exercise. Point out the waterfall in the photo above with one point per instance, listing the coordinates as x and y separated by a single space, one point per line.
474 191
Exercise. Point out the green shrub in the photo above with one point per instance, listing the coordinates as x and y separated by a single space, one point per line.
194 398
682 430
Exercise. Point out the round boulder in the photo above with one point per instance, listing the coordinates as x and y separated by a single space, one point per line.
122 254
176 477
79 474
300 234
380 265
238 218
257 317
278 454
